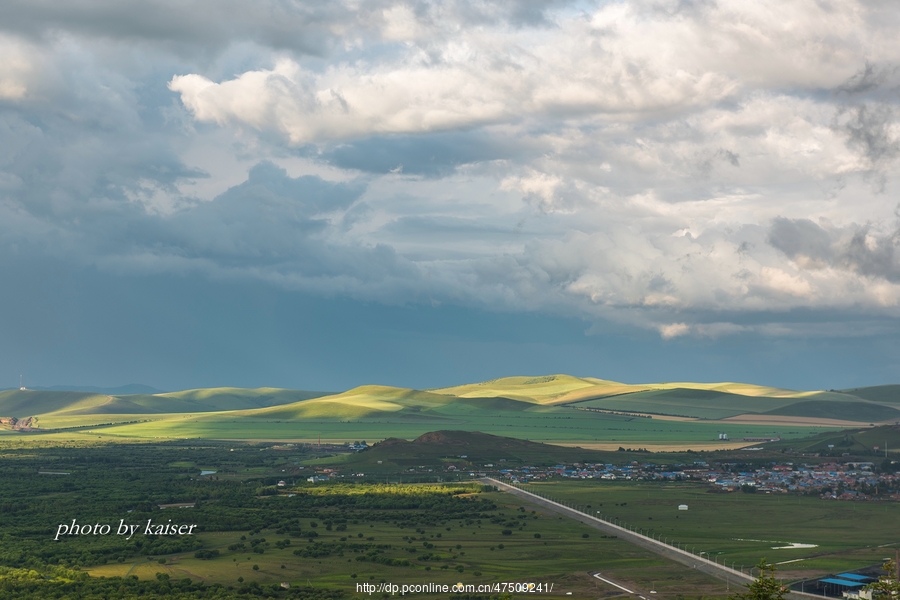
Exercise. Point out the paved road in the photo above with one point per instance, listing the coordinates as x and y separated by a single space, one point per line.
732 576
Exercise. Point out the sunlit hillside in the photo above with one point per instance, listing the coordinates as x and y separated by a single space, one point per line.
24 403
559 408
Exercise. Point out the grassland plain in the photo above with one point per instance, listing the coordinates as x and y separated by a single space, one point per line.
879 442
689 399
554 559
740 528
318 537
471 451
546 424
470 551
553 408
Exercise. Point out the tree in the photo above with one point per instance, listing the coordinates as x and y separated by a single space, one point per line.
886 584
764 587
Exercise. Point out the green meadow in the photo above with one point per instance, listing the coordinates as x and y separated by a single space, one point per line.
690 399
254 535
551 408
478 551
514 542
741 528
716 404
546 424
855 441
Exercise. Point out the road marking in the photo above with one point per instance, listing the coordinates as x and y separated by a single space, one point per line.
597 576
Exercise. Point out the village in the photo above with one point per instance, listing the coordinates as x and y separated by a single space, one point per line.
848 480
838 481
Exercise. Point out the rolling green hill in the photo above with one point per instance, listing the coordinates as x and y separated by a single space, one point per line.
375 401
546 408
695 403
26 403
540 390
718 400
686 399
855 441
466 449
229 398
700 400
714 403
840 410
19 403
887 394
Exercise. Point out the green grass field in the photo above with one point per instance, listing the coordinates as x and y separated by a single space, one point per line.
463 550
542 408
859 441
698 404
742 528
842 410
887 394
714 404
689 399
544 424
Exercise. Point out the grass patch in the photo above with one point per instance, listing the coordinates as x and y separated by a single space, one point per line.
742 528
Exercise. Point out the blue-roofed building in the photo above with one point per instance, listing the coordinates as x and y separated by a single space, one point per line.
856 577
842 582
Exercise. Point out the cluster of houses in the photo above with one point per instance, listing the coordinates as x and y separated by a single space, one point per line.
841 481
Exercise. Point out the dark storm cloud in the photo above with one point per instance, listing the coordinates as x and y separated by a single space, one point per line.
797 237
309 194
588 120
868 79
446 227
57 170
868 130
878 259
271 226
300 26
856 249
519 12
434 155
868 118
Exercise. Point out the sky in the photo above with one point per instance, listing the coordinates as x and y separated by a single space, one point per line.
321 195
